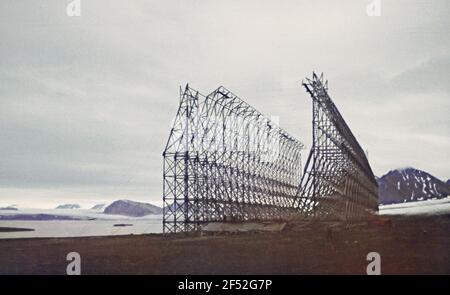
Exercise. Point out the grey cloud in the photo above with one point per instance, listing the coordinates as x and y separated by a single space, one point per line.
432 76
86 103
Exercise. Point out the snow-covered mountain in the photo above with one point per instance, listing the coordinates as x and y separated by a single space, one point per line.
132 208
98 207
408 185
68 206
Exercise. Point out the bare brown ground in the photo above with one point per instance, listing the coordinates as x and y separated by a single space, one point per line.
410 246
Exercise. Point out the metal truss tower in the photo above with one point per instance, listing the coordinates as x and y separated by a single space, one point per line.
225 161
338 182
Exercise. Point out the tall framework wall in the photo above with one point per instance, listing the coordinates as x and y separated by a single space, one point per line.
338 182
225 161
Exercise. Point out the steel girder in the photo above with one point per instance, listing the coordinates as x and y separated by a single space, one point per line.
225 161
338 182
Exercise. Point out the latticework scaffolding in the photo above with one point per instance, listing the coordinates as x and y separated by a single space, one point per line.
338 182
225 161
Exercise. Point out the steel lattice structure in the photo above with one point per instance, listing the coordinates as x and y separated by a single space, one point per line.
225 161
338 181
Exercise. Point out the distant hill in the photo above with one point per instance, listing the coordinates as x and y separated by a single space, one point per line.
68 206
98 207
9 208
410 184
40 217
132 208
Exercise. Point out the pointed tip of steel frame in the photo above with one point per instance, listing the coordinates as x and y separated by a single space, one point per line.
222 88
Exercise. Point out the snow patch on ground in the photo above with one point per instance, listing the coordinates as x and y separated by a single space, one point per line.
427 207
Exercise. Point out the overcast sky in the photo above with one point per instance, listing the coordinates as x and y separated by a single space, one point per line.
86 102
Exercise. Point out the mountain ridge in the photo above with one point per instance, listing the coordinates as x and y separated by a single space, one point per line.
68 206
409 185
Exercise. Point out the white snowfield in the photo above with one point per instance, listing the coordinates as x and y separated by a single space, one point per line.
428 207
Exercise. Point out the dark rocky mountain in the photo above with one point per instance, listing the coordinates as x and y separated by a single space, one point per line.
132 208
448 182
408 185
68 206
